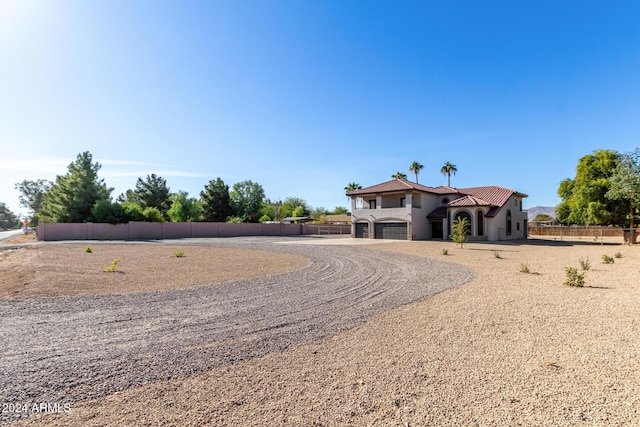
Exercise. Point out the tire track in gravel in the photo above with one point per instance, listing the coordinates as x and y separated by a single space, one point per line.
68 349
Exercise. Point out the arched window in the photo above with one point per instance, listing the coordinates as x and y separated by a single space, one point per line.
480 226
463 214
508 222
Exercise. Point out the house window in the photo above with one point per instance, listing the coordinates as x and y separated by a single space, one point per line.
462 214
480 226
403 202
372 204
508 222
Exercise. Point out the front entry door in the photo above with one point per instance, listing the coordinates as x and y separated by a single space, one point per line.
437 229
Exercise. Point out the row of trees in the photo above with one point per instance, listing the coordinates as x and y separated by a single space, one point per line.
8 220
605 190
447 169
81 196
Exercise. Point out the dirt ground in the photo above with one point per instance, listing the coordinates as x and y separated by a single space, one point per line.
69 269
508 348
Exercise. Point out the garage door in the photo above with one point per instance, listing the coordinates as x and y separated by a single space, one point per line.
392 230
362 230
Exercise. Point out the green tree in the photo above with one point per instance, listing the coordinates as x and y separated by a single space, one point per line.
352 186
542 218
151 192
340 210
8 220
134 211
459 230
624 184
152 215
416 167
216 201
107 212
184 208
317 213
583 198
264 218
294 202
399 175
281 210
246 200
448 169
72 197
298 212
32 193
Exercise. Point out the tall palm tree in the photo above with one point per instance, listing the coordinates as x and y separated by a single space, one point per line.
448 169
399 175
416 167
352 186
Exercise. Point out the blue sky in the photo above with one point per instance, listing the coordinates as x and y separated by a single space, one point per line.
304 97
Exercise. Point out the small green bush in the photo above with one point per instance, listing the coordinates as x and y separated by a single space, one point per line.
617 255
573 277
459 230
113 267
445 252
524 268
606 259
497 254
585 264
178 254
89 250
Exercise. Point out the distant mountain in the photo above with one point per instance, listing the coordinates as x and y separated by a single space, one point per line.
537 210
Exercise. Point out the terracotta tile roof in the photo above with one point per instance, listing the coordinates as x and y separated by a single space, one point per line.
493 195
493 212
468 201
443 189
393 186
438 213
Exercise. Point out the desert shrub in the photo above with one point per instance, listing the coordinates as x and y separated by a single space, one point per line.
459 230
178 254
617 255
89 250
445 252
113 267
606 259
524 268
497 254
574 278
585 264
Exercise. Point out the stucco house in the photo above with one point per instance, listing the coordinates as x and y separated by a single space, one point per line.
400 209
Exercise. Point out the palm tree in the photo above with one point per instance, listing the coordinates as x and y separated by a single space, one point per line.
352 186
416 167
399 175
448 169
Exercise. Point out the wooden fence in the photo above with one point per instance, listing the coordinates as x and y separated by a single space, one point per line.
575 231
627 235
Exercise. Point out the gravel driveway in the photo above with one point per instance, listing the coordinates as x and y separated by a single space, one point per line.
70 349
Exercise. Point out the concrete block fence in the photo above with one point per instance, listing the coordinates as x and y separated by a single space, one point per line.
51 231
